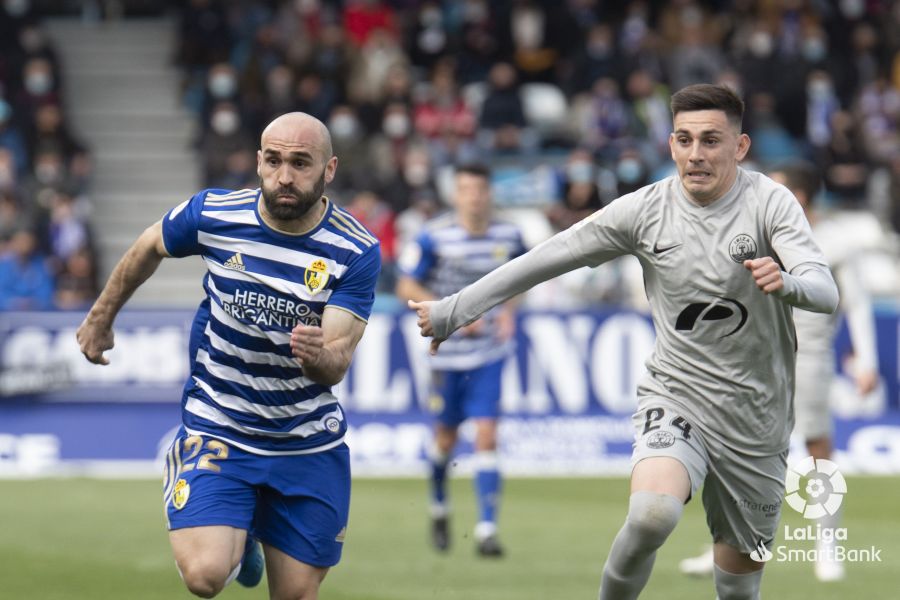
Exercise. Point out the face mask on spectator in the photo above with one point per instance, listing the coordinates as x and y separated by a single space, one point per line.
580 172
47 173
396 126
853 9
222 85
416 174
813 49
16 8
344 126
225 122
629 170
818 89
39 83
761 44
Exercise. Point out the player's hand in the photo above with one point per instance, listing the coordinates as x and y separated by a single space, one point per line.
766 272
866 382
423 312
307 342
94 340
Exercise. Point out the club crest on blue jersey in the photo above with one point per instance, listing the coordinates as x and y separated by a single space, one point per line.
741 248
181 493
316 276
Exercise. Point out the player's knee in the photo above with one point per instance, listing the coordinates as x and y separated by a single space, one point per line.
732 586
204 578
652 516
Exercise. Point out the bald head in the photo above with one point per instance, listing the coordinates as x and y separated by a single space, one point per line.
297 129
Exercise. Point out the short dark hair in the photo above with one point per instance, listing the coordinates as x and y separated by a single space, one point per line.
705 96
801 175
477 169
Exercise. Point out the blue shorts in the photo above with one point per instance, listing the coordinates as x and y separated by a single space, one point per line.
298 504
459 395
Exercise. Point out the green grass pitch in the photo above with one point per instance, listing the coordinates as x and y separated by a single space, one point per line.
96 539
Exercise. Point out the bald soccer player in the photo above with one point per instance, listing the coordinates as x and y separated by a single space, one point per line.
260 455
726 255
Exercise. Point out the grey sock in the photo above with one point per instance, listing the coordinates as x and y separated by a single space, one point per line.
651 518
730 586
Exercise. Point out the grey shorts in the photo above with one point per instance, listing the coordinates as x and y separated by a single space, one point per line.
742 494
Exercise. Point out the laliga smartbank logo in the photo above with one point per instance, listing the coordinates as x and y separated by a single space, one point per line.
825 488
820 498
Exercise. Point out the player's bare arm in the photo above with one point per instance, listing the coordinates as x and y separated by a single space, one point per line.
95 335
325 352
767 274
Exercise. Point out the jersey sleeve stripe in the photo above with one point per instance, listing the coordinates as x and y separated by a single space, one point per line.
332 239
355 225
243 217
350 233
213 197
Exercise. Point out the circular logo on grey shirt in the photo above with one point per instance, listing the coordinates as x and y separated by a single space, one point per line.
742 248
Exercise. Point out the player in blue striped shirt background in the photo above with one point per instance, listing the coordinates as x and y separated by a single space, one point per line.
453 251
290 285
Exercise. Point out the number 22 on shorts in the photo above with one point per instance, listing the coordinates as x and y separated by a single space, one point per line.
192 447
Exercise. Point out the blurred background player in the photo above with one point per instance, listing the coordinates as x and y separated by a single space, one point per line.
715 405
815 352
453 251
261 452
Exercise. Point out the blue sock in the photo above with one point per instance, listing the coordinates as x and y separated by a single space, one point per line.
487 486
439 478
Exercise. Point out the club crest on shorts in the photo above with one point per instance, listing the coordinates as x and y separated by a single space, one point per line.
741 248
316 276
332 424
181 493
660 439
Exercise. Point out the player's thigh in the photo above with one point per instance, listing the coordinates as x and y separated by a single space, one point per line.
669 456
211 549
485 433
481 391
209 500
446 402
304 510
733 560
742 497
291 579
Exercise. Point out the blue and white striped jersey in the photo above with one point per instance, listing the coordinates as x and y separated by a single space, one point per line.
245 387
446 258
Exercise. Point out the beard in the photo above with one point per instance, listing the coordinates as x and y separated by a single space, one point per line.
283 210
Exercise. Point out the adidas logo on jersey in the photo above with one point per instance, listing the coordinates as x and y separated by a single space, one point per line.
236 262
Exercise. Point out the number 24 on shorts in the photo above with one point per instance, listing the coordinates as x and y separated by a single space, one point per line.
654 415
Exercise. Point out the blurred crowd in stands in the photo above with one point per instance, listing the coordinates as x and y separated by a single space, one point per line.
47 258
567 101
